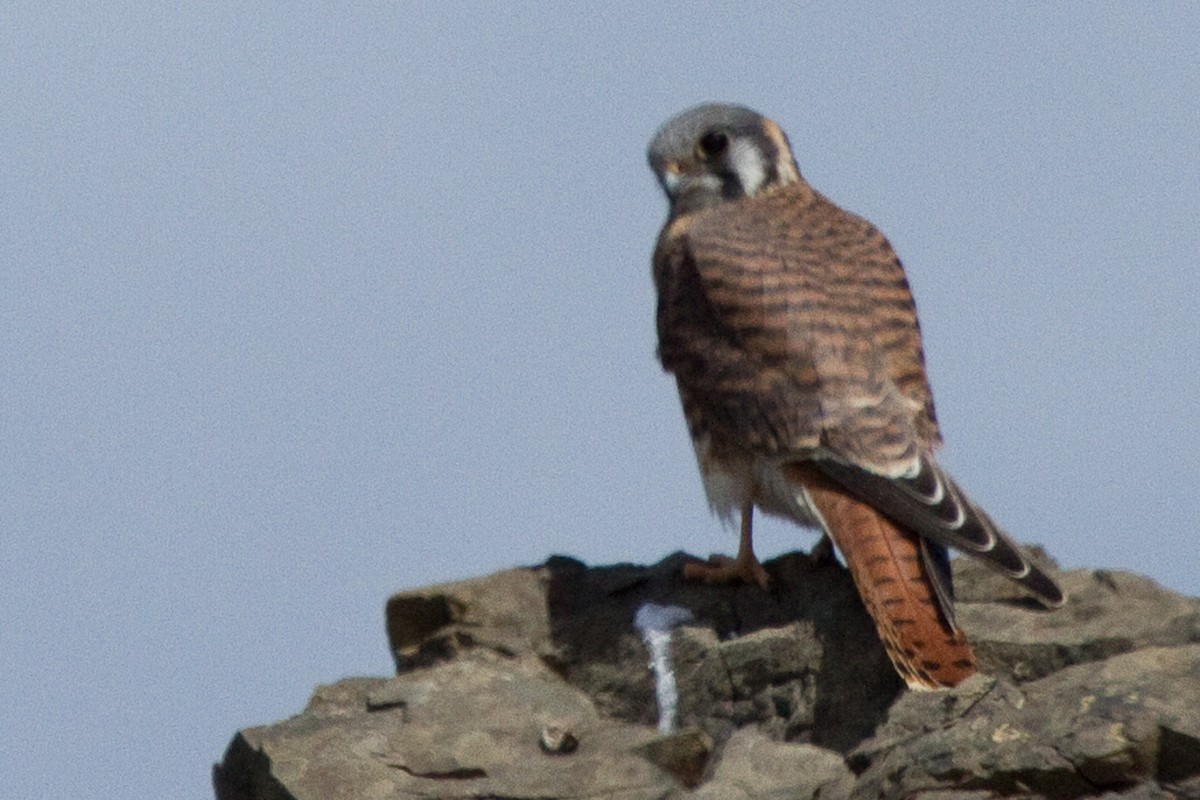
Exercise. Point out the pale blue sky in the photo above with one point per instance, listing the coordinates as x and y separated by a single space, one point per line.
304 306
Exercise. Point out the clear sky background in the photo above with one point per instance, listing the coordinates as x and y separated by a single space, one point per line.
302 305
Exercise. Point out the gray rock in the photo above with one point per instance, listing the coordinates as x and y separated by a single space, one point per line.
1131 720
802 660
534 683
1107 613
504 612
466 729
752 765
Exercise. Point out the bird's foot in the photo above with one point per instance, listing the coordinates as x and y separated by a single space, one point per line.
723 569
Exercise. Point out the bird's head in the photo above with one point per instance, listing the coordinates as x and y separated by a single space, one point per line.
714 153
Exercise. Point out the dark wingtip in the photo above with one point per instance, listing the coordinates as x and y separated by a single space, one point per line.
913 503
1044 589
1051 594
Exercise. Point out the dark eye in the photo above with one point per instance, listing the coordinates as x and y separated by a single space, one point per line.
714 143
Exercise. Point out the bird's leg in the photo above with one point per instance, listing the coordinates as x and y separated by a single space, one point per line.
722 569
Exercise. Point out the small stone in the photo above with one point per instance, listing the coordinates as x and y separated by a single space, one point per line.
558 740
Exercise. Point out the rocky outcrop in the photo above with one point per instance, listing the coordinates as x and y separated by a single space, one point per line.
556 682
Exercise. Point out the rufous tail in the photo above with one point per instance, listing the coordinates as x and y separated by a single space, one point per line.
885 561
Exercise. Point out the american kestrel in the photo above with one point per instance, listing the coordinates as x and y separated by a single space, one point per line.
792 334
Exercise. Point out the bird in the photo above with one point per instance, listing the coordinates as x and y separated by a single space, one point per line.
792 334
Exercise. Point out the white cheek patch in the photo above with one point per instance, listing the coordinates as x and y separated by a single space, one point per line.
748 165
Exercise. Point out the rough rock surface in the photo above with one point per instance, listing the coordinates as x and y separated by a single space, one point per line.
535 683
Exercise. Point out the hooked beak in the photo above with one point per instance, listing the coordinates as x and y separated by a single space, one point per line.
677 181
670 176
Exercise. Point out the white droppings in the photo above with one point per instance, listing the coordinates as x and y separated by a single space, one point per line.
655 623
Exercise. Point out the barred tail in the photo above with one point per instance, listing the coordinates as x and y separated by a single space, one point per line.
900 583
